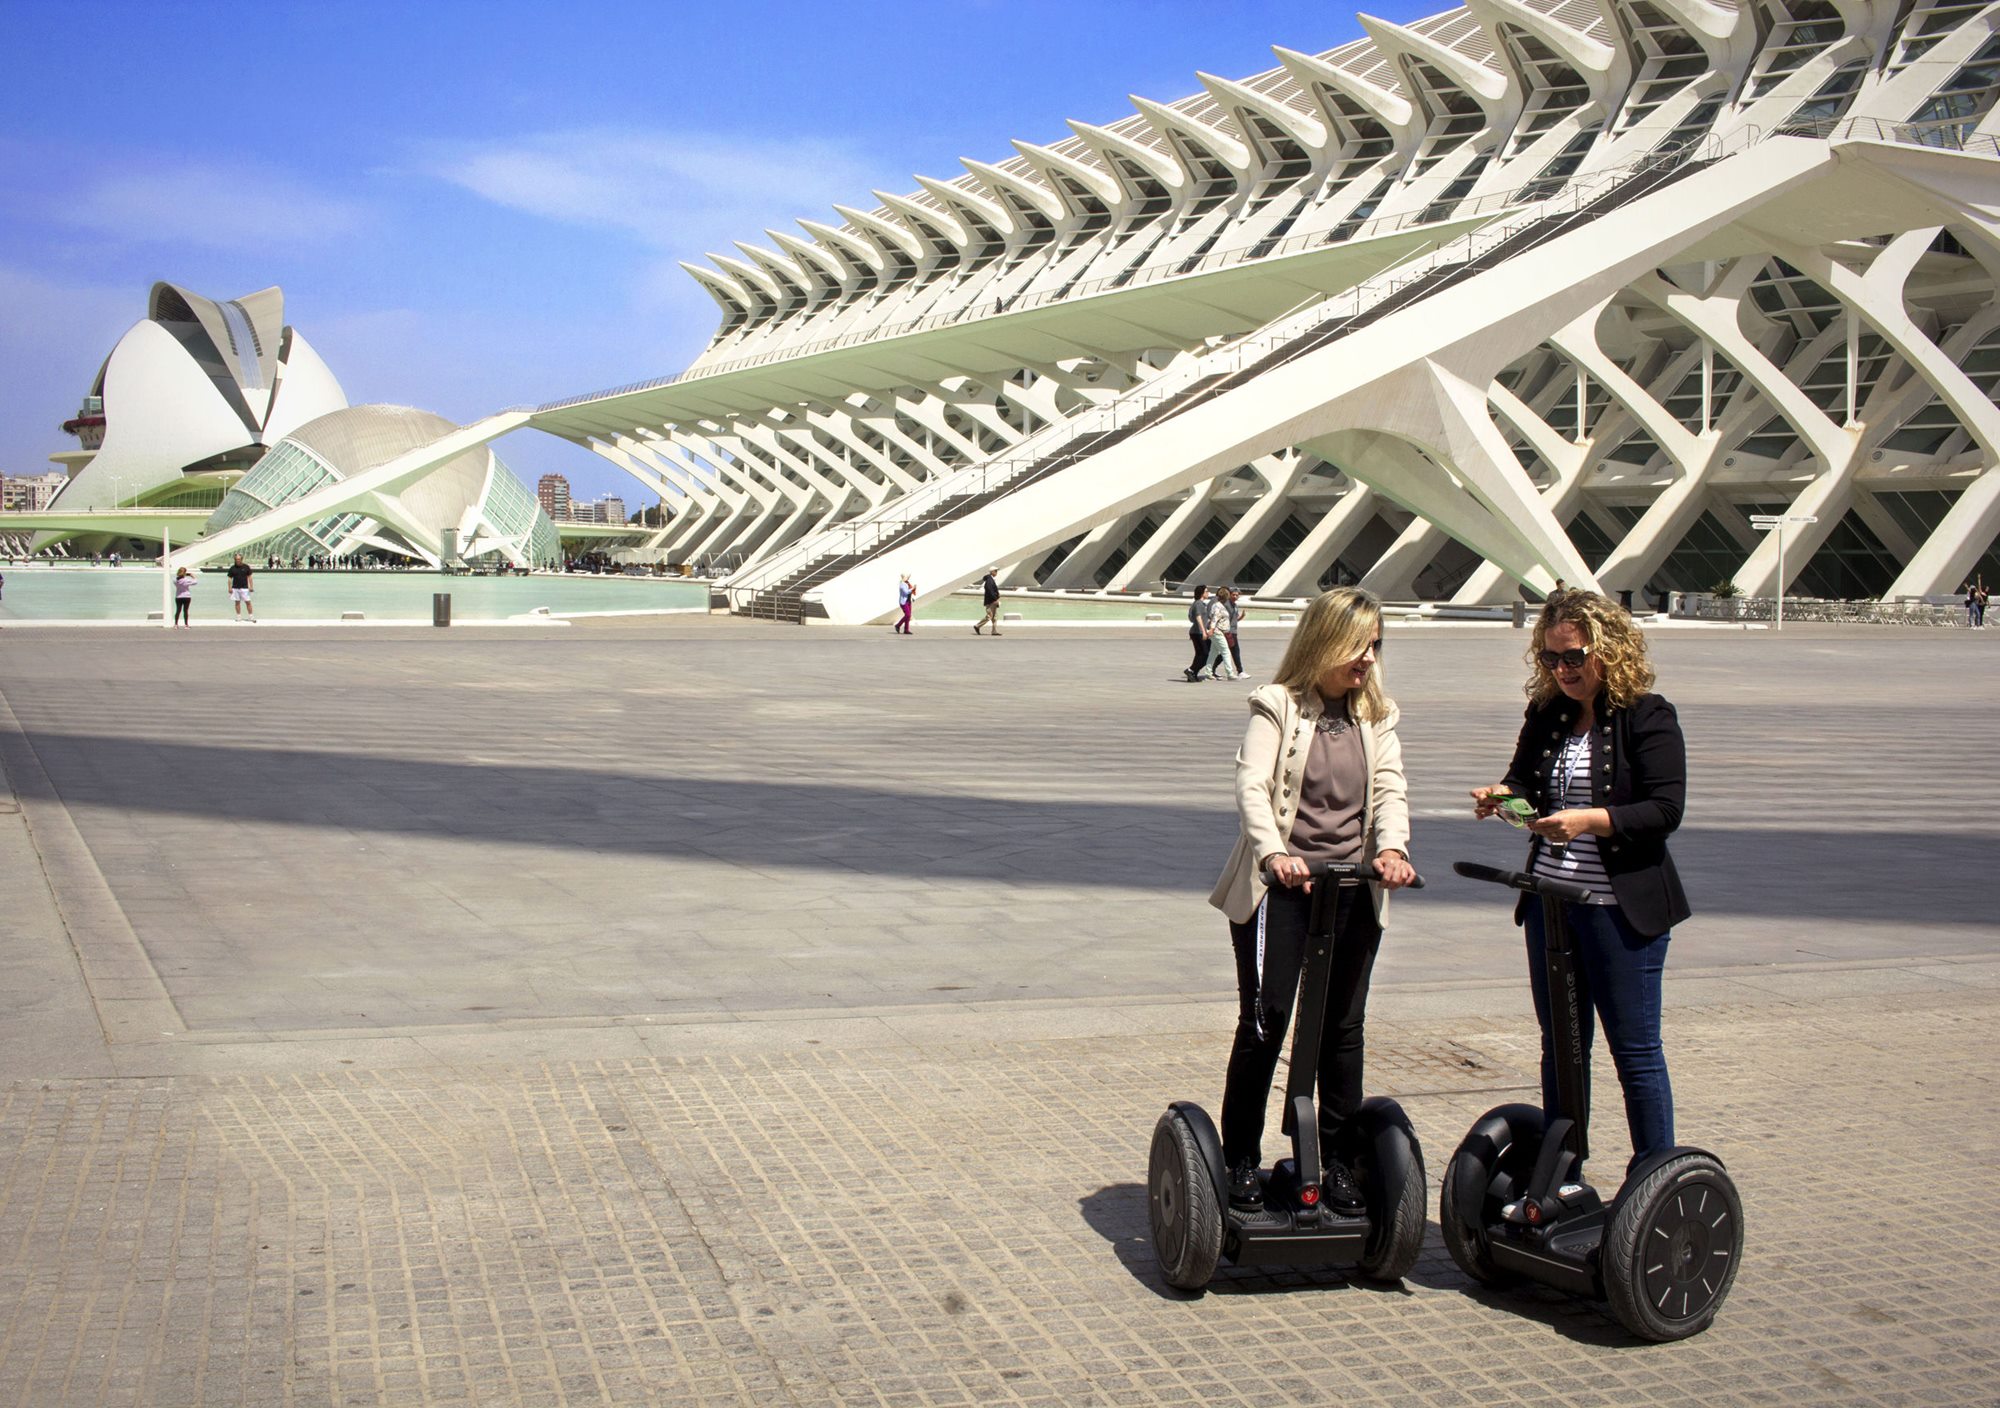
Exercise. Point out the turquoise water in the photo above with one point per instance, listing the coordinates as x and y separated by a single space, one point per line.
128 593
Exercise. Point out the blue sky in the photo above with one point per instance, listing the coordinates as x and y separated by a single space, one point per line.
471 206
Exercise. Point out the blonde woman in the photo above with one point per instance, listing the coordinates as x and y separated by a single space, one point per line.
1319 778
1602 759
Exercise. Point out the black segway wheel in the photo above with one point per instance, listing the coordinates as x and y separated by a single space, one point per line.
1397 1237
1491 1164
1671 1249
1181 1201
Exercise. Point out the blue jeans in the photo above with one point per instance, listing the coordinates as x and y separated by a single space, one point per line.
1621 972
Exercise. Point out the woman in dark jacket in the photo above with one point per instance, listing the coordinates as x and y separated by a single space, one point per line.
1602 760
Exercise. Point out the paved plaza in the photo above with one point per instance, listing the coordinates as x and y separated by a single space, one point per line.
702 1011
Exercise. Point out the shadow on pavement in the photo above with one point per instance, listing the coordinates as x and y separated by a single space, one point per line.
894 831
1584 1321
1117 1213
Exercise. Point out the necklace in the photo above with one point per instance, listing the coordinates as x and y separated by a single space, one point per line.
1332 725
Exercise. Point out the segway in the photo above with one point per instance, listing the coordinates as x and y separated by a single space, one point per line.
1186 1183
1513 1207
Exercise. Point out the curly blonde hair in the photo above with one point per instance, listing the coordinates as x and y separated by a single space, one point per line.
1613 637
1337 626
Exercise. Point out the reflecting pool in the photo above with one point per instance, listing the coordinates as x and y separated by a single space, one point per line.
129 593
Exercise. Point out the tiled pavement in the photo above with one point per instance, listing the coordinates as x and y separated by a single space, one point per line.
852 1158
948 1223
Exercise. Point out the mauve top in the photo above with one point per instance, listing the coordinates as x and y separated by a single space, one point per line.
1332 793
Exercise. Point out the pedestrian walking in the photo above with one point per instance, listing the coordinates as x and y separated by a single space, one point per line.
906 602
1235 599
239 589
183 598
1218 636
1319 778
1979 606
1602 761
1197 632
989 588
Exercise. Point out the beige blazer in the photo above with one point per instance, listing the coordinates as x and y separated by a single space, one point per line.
1269 768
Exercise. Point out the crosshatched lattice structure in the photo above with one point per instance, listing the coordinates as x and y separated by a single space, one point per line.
1528 289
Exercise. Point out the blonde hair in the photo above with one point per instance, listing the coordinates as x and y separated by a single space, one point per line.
1613 637
1335 629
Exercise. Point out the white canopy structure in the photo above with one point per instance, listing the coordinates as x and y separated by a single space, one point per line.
1528 289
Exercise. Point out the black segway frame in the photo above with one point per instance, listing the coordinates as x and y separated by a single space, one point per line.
1512 1204
1193 1224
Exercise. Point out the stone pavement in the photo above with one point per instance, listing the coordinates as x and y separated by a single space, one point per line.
701 1012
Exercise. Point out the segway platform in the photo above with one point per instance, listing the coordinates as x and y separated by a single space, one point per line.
1194 1225
1513 1207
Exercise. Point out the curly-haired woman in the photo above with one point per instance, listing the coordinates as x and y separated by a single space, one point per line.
1602 759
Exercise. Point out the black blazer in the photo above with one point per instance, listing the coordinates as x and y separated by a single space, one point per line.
1639 775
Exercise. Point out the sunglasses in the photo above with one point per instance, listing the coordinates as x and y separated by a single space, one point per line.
1568 659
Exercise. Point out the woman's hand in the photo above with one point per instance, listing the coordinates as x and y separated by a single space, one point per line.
1561 828
1486 800
1395 869
1289 871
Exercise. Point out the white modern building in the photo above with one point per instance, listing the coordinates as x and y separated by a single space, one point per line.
188 400
469 506
1531 288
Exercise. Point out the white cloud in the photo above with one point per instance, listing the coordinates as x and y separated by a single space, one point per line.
218 207
683 192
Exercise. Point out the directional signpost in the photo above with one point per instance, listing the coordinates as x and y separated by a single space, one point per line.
1775 523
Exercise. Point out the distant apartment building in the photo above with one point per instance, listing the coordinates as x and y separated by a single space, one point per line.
553 492
610 509
30 492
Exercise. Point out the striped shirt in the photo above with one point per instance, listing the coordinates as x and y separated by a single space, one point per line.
1579 862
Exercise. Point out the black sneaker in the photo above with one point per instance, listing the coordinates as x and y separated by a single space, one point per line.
1341 1193
1246 1189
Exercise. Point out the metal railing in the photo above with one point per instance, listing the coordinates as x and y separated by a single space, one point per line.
1701 606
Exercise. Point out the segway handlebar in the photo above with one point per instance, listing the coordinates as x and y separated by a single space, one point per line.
1348 872
1567 891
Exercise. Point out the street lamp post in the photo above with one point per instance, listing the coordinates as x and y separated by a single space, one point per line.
1775 523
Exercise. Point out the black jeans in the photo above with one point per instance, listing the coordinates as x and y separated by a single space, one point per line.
1267 982
1200 642
181 605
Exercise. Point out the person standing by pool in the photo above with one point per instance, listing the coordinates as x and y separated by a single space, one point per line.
239 588
183 598
906 602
